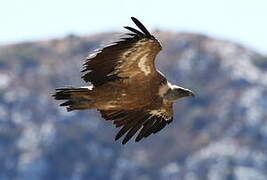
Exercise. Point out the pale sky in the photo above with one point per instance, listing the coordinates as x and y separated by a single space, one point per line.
242 21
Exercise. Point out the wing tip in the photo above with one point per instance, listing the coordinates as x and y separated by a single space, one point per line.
138 33
133 18
123 141
116 137
142 27
137 139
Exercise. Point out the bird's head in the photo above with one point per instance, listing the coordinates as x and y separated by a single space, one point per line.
177 92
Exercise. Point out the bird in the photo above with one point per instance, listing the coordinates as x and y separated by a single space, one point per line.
125 86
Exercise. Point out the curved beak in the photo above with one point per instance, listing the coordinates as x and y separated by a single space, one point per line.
191 94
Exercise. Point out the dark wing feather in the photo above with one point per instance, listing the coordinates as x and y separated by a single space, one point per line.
142 27
99 65
145 130
135 31
134 120
120 59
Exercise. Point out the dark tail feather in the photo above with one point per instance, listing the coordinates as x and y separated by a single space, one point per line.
76 98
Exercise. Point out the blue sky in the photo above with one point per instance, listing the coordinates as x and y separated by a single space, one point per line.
242 21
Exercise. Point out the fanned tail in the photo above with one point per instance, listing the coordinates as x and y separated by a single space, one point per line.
75 98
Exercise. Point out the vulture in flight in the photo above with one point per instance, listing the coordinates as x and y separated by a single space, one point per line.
126 88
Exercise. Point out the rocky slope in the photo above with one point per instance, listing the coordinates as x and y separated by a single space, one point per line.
219 135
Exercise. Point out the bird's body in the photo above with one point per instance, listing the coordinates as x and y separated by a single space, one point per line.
126 87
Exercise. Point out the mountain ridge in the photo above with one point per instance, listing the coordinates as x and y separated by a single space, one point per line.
40 139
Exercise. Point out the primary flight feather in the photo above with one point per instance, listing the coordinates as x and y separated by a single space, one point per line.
126 86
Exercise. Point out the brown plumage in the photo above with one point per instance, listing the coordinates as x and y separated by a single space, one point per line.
126 87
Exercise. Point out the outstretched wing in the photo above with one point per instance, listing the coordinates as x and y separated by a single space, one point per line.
147 121
131 56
